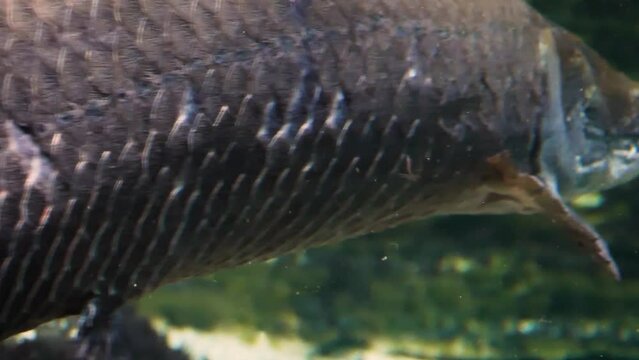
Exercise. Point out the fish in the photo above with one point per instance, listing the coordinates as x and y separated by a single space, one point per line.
146 142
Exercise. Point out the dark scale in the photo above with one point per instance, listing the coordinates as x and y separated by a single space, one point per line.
143 142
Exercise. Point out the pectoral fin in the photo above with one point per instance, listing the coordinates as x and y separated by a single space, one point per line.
547 201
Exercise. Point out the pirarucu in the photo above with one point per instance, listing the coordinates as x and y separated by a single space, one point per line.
143 142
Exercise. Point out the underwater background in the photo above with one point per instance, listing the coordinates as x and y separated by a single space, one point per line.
503 287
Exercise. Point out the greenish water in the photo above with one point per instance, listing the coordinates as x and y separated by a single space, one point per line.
511 284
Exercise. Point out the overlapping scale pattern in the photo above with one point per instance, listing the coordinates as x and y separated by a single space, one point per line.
145 141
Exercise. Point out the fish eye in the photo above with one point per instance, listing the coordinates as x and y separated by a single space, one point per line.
591 112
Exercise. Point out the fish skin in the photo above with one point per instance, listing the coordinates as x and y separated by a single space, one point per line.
143 142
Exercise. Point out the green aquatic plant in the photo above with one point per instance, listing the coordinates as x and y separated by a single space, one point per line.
479 286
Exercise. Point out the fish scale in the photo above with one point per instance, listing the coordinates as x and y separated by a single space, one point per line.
143 142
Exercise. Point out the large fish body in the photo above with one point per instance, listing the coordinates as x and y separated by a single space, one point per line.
142 142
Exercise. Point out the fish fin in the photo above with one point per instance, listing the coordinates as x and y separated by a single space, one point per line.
94 335
548 201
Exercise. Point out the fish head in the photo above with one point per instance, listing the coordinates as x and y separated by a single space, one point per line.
601 116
